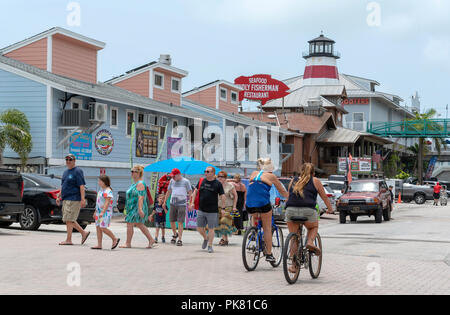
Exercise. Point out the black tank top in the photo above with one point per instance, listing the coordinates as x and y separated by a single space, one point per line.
309 192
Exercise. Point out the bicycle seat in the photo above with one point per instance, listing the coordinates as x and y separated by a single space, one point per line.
299 219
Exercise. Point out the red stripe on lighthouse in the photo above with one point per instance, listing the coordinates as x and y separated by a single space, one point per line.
317 72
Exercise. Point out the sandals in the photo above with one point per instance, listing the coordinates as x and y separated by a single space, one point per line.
314 249
65 244
174 239
115 244
83 240
223 243
180 243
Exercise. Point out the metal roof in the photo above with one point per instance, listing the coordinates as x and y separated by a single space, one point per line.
347 136
102 91
321 38
301 96
340 136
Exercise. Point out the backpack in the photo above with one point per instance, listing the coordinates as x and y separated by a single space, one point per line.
197 197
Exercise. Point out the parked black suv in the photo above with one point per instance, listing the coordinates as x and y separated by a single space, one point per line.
11 192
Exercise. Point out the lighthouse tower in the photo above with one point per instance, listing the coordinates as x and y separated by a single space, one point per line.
321 59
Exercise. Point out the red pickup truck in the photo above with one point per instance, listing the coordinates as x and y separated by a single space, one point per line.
369 197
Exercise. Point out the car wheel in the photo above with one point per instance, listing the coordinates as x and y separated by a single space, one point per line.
353 217
419 199
387 213
379 215
342 217
29 219
5 224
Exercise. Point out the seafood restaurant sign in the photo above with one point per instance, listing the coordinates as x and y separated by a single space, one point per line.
261 87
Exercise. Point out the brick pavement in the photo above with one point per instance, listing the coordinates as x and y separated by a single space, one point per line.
32 263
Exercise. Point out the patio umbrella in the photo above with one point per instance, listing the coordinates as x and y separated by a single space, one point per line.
186 165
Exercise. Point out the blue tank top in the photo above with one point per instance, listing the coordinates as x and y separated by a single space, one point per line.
258 193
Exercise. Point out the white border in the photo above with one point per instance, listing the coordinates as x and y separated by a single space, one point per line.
231 97
155 73
226 94
110 117
179 85
49 131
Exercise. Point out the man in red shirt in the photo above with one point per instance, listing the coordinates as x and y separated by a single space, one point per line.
436 194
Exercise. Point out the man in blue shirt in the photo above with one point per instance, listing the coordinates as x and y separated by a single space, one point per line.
73 199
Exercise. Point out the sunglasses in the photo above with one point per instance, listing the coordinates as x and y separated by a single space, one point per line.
208 172
134 172
221 176
69 160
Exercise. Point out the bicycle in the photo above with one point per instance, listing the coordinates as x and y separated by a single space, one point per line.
253 245
296 257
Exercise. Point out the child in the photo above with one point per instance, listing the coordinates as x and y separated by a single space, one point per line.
103 212
443 196
160 217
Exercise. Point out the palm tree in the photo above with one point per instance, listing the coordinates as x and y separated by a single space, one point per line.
15 133
420 149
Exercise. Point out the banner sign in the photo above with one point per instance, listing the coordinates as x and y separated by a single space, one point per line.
191 218
146 143
261 87
361 165
81 146
104 142
172 149
431 167
355 101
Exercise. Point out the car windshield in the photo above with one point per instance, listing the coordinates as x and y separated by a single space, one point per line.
336 186
363 186
328 189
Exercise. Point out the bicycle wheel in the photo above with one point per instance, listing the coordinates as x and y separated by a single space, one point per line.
277 245
292 258
250 249
315 262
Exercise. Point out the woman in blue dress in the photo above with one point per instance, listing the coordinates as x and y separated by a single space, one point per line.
137 207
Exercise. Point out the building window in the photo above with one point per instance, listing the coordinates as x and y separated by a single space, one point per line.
159 80
234 97
114 118
130 120
176 83
358 121
141 118
223 94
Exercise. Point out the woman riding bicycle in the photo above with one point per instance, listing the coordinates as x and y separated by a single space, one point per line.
303 192
258 199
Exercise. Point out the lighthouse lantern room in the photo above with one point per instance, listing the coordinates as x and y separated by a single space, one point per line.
321 68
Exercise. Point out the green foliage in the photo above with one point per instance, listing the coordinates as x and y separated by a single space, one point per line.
402 175
15 133
391 165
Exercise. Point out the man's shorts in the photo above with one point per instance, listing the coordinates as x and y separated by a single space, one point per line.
177 214
71 210
207 219
310 213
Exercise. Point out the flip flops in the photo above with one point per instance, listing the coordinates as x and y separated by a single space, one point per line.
83 240
114 246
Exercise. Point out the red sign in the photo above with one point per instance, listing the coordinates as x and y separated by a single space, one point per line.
356 101
102 171
261 87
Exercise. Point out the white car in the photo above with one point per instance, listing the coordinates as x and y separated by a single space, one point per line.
330 195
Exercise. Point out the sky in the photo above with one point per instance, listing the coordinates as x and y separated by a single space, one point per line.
402 44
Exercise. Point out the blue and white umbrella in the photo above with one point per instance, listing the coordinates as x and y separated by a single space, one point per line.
186 165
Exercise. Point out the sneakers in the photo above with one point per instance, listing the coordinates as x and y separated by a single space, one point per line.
163 239
205 243
270 258
156 240
210 249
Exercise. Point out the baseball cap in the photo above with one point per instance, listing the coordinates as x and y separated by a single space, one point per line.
70 156
175 171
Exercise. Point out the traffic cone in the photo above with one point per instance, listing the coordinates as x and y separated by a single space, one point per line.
399 197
